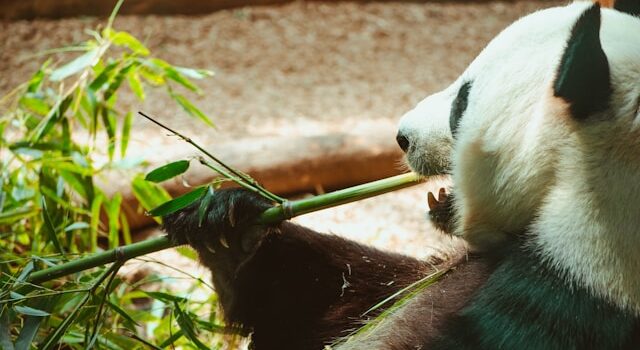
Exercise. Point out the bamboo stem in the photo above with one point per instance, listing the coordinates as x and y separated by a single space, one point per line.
269 216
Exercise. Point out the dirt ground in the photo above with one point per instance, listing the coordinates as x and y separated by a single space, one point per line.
299 69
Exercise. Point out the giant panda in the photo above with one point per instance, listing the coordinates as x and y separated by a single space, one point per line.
541 135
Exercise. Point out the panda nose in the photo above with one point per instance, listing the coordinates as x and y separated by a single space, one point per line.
403 141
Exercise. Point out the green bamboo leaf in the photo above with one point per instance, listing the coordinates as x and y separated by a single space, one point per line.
135 84
105 75
95 220
20 193
117 80
89 103
115 341
80 225
167 298
125 134
31 324
12 216
126 40
57 164
35 104
168 171
205 203
187 252
113 213
174 75
186 325
191 109
178 203
66 137
120 311
194 73
126 231
29 152
26 270
75 66
209 326
149 194
36 80
48 262
158 63
41 146
26 310
15 296
52 340
5 330
172 339
50 229
51 119
109 121
78 184
145 342
152 76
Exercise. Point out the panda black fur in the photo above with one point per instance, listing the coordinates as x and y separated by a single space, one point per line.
546 166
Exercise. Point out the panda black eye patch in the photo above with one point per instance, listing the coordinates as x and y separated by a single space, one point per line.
458 107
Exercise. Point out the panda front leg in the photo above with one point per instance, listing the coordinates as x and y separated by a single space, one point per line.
441 210
287 285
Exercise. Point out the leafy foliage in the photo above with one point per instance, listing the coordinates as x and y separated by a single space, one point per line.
59 132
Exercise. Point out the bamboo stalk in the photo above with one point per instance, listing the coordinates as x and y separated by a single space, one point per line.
271 215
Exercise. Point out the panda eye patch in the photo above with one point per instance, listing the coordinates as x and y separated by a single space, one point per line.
458 107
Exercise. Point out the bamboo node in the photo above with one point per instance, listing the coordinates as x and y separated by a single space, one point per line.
120 254
287 209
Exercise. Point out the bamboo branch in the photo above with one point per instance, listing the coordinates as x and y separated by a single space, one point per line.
238 174
272 215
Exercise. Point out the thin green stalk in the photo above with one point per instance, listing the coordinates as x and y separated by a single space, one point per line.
269 216
96 325
53 338
42 295
239 181
112 17
236 173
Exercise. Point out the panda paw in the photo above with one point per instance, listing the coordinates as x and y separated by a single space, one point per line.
229 223
441 210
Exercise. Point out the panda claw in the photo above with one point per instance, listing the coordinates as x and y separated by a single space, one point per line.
442 194
223 241
440 210
210 248
432 201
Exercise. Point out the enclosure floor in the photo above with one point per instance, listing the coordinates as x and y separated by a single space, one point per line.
298 69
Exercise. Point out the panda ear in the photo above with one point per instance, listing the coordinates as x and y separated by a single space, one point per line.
631 7
582 79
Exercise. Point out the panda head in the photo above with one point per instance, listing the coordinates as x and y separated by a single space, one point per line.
502 126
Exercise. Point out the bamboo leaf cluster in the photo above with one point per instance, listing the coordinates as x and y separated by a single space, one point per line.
61 131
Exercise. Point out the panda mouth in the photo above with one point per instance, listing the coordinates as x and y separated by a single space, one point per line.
430 165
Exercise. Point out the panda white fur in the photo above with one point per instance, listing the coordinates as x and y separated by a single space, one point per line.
542 137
